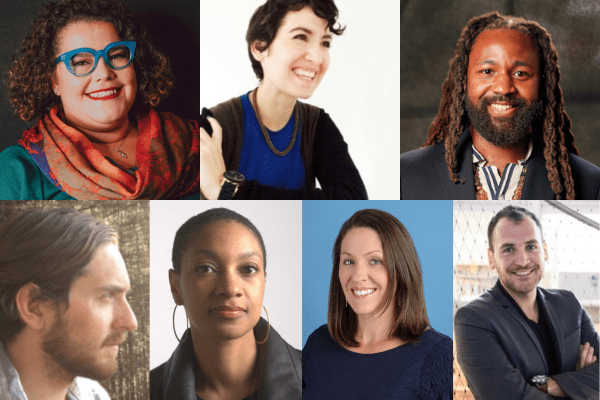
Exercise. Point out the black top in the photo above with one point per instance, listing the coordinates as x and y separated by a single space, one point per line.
542 330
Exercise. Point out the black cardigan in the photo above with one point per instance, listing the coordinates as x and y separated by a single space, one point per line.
323 150
279 363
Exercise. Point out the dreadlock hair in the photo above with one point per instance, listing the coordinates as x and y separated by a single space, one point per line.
553 129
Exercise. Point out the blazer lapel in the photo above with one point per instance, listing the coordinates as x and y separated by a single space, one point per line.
509 307
555 327
536 185
464 155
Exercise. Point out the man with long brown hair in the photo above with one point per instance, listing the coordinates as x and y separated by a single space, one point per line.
501 131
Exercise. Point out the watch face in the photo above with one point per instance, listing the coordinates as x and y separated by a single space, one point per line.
539 380
235 176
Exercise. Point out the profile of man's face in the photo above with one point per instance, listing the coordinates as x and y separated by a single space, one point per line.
503 79
518 254
84 339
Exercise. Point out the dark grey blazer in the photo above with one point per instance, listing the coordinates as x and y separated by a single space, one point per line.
279 363
499 351
424 175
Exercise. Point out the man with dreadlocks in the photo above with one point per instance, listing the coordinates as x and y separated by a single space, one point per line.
501 131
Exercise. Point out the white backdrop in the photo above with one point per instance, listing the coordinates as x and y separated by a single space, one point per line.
280 224
361 90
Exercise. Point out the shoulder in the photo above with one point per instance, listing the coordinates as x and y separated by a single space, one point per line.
156 382
586 176
476 311
233 105
15 153
560 298
181 124
584 167
89 389
423 155
316 340
436 375
18 172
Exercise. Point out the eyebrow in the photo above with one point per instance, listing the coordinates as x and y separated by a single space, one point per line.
113 289
366 254
242 256
533 241
300 28
516 63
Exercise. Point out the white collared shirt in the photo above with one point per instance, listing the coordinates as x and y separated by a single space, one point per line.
11 388
496 187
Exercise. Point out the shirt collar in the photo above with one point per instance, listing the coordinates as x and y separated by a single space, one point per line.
480 160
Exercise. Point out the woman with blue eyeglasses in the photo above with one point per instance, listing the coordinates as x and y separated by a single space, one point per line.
90 75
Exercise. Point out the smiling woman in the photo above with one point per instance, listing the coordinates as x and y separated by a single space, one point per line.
90 75
266 144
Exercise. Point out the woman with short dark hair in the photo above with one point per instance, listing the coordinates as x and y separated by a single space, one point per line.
266 144
378 342
90 75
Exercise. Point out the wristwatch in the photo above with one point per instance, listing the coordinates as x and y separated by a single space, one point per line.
540 382
232 180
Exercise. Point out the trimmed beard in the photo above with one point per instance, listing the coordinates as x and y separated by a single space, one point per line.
75 357
503 131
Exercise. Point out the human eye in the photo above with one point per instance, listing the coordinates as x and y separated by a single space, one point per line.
522 74
532 246
347 262
301 36
507 250
250 269
486 71
376 261
205 269
327 44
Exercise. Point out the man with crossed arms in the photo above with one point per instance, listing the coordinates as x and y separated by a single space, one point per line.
517 340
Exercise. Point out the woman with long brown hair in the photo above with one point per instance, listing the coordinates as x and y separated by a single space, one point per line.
378 342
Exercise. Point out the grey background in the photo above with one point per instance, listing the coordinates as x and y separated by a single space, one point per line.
173 27
430 31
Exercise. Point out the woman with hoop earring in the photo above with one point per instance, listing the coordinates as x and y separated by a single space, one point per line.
229 351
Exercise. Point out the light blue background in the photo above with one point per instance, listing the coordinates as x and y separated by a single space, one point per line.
430 226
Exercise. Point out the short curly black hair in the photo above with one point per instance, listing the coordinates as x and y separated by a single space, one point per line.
267 19
29 84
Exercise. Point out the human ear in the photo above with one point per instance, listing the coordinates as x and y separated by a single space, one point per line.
175 287
257 54
32 309
54 83
491 258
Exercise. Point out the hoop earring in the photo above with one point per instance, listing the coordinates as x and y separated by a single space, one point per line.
174 331
268 329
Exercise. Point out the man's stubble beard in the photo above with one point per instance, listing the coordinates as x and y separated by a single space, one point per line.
76 359
507 131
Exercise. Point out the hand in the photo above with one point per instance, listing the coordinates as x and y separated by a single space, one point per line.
554 389
586 356
212 165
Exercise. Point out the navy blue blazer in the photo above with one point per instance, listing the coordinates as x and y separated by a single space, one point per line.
424 175
499 352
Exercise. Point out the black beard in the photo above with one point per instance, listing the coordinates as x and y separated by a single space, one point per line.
506 131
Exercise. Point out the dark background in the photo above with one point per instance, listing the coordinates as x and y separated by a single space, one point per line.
131 220
429 33
174 30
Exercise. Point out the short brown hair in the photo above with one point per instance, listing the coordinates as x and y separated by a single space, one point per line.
29 84
49 247
267 19
406 293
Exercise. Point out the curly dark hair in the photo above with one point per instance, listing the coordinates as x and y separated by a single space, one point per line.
552 130
267 19
29 84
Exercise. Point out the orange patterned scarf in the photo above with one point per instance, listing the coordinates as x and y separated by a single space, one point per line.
167 155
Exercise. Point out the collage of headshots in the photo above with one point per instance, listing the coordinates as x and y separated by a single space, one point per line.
422 177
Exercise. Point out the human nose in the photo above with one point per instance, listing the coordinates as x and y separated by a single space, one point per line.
127 319
228 284
522 258
361 272
503 84
314 53
103 71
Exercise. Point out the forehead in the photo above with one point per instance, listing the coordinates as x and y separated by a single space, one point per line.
503 44
106 268
224 238
93 34
361 239
508 231
305 18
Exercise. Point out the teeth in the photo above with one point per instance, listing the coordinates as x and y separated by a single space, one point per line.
363 292
305 73
98 95
500 107
527 272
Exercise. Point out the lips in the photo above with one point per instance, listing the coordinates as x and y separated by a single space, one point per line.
361 293
523 272
307 74
104 94
228 311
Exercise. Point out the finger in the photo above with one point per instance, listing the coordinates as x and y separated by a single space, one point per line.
590 355
204 135
217 131
581 359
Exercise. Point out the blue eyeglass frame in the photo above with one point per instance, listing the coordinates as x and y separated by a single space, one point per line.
97 54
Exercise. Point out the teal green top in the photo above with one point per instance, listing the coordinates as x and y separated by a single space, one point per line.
21 179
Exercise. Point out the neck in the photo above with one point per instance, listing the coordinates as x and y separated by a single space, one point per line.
374 329
526 302
40 377
226 365
113 134
498 156
275 107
